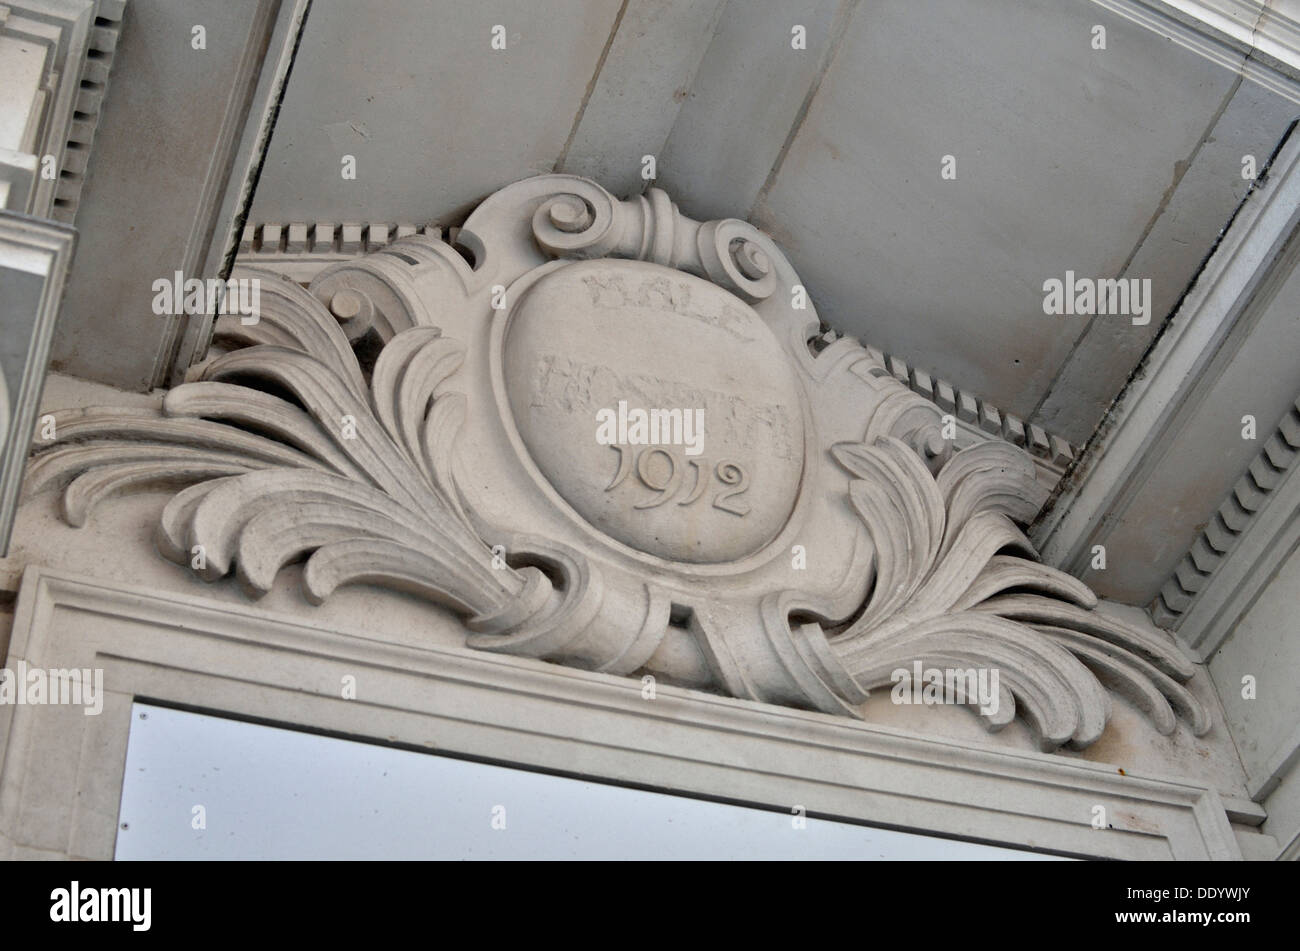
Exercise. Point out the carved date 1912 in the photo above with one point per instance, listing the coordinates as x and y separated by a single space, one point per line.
668 478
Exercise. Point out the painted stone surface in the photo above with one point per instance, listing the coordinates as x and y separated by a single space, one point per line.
431 421
659 406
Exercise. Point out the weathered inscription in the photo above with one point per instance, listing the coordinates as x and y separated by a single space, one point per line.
687 384
662 293
669 478
565 384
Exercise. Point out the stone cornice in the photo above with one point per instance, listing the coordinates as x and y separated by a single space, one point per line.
1192 354
78 38
1253 37
31 249
62 775
1257 525
92 88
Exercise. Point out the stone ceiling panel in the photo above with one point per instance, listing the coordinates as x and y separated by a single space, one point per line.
160 164
1065 158
435 117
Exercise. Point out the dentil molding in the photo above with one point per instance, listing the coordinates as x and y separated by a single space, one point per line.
55 58
425 417
1235 556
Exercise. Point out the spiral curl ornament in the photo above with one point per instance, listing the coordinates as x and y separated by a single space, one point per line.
577 225
733 258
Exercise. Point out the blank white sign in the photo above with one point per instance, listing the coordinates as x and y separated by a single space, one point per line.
204 787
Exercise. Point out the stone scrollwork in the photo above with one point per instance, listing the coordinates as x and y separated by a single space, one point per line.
426 418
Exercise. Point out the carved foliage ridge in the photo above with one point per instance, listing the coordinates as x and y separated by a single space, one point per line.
356 474
948 595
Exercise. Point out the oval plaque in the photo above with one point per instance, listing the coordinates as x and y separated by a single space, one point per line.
659 406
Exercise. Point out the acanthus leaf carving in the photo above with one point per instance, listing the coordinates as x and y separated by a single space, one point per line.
430 469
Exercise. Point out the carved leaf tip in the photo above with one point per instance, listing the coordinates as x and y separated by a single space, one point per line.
930 599
287 452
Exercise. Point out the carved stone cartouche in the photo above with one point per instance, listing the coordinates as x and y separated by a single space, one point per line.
814 533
